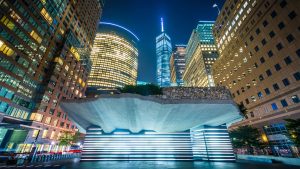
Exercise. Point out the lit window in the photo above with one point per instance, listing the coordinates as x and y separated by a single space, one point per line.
52 135
274 106
45 132
35 36
259 94
253 98
35 133
9 24
295 99
48 119
46 16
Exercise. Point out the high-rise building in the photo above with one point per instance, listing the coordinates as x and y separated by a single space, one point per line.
163 53
43 58
259 48
114 57
177 65
201 53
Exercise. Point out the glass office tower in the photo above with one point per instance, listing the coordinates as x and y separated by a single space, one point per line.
114 57
201 53
177 65
43 59
163 53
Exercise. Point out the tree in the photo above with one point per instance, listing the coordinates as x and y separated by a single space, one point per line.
145 90
68 138
293 127
246 137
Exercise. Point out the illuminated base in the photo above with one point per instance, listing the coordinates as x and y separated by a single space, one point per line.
149 145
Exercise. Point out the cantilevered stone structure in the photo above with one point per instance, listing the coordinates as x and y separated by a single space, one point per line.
181 124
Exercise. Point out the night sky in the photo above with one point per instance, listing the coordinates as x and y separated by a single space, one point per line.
142 17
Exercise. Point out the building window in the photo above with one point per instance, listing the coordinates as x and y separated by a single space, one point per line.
279 46
268 72
270 53
290 38
265 23
238 92
281 25
284 103
35 133
264 42
297 76
292 15
261 78
45 132
257 31
277 67
267 91
260 95
275 86
283 4
262 60
256 48
288 60
251 38
253 98
272 34
273 14
274 106
286 82
251 114
298 53
247 101
295 99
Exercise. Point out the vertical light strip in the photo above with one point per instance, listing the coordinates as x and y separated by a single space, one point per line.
216 142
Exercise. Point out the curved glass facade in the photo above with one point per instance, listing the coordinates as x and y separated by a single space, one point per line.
114 58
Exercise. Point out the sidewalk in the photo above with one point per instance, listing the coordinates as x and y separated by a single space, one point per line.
270 159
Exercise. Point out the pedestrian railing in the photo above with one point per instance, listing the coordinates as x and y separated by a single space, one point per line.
51 157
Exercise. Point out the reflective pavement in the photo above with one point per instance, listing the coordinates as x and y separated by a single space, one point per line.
76 164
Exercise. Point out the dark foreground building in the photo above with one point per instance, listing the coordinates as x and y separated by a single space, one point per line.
44 57
181 124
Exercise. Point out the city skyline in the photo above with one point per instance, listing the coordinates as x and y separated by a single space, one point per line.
178 25
153 80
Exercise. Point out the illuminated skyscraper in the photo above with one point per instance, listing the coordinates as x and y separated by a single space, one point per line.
163 53
259 48
114 56
201 53
44 58
177 65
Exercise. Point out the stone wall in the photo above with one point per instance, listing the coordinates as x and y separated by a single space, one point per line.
208 93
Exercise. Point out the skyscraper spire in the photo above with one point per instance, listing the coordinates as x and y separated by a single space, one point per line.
162 24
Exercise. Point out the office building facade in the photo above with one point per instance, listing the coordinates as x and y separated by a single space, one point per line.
177 65
163 53
201 53
114 57
259 48
41 44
